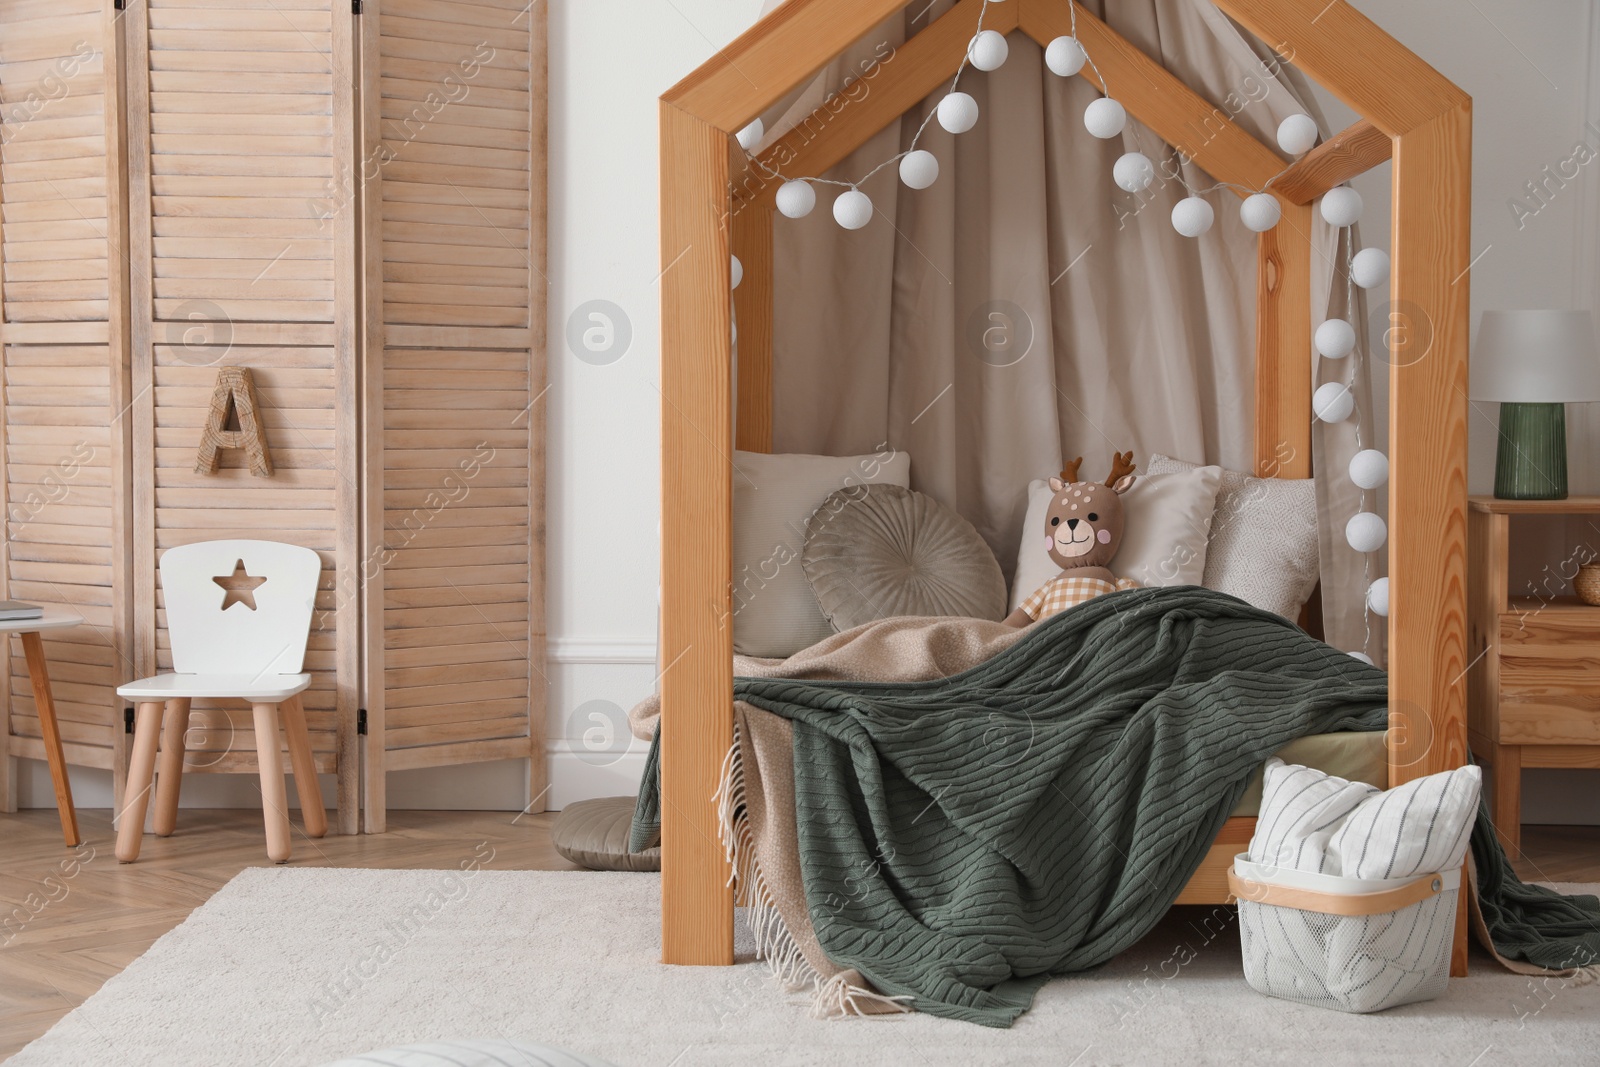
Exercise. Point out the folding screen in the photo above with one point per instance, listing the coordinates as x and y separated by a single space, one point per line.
350 204
63 341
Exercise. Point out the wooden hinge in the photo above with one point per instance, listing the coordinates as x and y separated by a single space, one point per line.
355 7
361 713
127 720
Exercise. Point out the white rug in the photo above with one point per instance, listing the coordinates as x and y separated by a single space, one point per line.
291 966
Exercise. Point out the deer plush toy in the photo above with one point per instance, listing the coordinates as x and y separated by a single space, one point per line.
1083 529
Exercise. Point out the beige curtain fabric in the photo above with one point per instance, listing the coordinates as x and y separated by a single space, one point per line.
1025 309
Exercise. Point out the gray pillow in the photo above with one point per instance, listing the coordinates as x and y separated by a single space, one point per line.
878 551
594 834
1263 542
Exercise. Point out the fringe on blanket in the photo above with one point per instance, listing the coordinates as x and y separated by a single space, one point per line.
831 998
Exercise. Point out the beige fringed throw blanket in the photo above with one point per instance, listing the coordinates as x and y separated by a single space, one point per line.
756 804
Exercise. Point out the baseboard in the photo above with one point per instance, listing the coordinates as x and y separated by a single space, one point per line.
575 775
573 650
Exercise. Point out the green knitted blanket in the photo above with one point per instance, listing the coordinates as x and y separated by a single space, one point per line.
962 840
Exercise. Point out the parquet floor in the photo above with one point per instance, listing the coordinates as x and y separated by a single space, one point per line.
73 918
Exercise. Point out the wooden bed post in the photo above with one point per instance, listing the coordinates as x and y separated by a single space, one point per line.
1428 331
1283 347
696 536
752 243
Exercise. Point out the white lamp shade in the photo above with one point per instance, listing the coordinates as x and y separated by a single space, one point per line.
1536 357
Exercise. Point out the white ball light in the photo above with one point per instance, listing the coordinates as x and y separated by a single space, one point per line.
1065 56
1370 268
1334 339
958 113
1260 212
1297 134
1369 468
751 135
1378 597
919 169
1332 402
1105 118
1363 657
1133 172
988 50
738 272
1192 216
1366 531
853 209
796 199
1341 206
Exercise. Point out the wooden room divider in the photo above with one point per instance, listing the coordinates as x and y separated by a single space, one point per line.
350 203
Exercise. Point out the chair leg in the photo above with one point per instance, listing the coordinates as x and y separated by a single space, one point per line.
136 794
274 797
169 765
305 766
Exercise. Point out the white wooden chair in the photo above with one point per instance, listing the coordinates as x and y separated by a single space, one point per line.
238 615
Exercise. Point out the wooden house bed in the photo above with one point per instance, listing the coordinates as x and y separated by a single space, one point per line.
713 206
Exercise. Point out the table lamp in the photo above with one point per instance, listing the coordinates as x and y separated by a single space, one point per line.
1534 363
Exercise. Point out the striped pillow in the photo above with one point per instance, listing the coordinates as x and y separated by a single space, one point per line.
1312 821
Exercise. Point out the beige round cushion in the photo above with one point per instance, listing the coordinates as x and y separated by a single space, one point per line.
594 834
877 551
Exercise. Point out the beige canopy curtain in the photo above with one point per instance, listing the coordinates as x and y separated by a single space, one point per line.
1026 309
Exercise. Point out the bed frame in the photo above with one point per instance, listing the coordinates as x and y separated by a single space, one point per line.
712 205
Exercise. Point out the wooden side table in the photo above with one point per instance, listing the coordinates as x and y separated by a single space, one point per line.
44 703
1533 687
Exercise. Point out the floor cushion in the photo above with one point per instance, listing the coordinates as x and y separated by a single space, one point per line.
594 834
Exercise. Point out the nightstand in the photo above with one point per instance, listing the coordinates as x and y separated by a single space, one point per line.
1533 687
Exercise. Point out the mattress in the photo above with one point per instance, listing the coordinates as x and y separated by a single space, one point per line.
1357 757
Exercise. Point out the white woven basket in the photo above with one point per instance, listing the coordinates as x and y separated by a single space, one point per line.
1351 944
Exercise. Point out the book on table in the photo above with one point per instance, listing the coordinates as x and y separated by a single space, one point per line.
18 611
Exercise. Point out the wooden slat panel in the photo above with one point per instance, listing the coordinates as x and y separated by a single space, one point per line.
62 310
454 318
243 229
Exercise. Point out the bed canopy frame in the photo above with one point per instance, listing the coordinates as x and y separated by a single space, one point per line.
714 205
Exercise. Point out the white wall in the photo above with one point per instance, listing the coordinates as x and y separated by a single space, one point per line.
1530 68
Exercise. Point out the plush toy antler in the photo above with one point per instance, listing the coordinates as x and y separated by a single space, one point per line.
1122 465
1070 473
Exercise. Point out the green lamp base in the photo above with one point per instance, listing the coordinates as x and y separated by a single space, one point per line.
1531 463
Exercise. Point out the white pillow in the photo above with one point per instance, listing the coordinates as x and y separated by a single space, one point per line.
1312 821
775 613
1263 546
1168 517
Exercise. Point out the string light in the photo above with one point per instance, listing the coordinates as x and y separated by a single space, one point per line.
1259 211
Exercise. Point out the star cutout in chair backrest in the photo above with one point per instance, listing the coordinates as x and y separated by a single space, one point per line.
239 587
